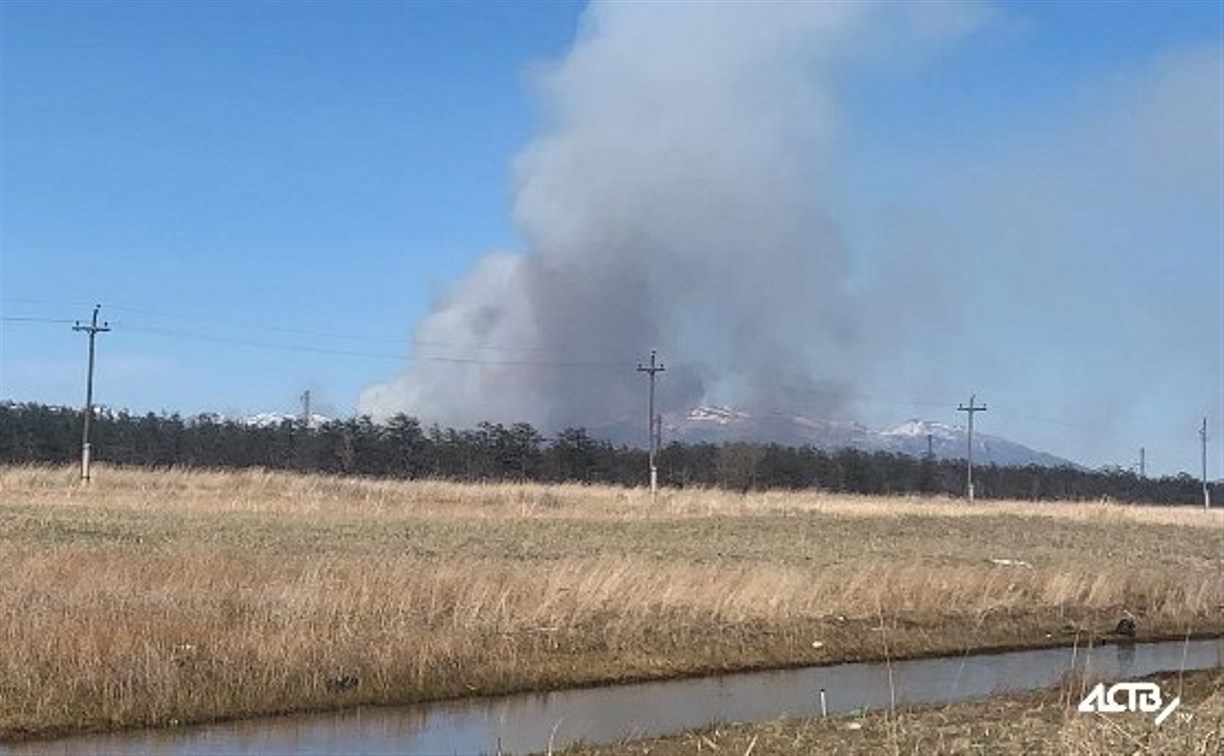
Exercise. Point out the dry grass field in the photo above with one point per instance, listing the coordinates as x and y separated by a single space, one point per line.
153 597
1028 725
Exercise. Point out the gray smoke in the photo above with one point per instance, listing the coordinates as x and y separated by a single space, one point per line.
682 199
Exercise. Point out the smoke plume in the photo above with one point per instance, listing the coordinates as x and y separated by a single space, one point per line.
681 198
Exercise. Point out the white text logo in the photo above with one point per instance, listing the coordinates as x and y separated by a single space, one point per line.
1129 696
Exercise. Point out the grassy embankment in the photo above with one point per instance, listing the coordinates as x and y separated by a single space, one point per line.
1023 725
153 597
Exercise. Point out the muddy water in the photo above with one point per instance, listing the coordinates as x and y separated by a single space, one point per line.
533 722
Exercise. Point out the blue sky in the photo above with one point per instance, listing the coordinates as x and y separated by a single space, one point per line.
228 169
242 183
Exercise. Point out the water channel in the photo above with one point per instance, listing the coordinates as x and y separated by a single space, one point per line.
532 722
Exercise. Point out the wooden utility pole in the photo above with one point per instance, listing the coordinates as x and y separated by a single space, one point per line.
93 329
651 436
1206 489
971 409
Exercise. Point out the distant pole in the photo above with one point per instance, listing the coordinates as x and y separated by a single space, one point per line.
93 329
1142 462
926 482
971 410
651 438
306 409
1206 490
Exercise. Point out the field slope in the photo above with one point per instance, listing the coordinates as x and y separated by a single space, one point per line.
156 597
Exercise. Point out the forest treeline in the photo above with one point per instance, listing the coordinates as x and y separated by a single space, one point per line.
404 448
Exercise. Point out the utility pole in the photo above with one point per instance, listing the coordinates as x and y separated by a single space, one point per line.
1206 490
926 484
651 370
93 329
1142 462
306 409
971 409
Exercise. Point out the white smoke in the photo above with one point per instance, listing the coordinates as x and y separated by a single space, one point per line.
682 199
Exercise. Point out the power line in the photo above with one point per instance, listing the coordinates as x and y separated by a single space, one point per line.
272 328
28 300
22 319
265 344
609 365
258 344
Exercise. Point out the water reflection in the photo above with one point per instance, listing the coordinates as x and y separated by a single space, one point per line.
1126 659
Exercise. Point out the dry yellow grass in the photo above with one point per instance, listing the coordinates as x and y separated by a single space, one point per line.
258 490
157 596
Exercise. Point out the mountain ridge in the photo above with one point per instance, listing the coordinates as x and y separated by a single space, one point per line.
723 424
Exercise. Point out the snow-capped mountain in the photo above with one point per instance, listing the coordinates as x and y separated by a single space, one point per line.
949 442
273 419
714 424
